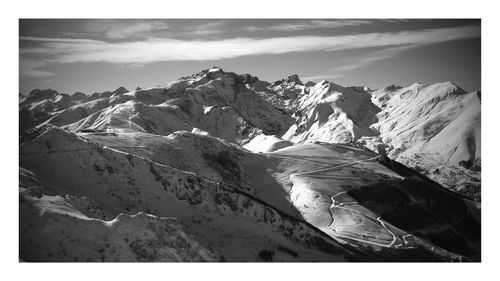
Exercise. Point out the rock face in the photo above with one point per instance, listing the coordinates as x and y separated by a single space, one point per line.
220 166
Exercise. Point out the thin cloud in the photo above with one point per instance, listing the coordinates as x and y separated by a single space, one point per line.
162 49
309 24
35 73
30 68
119 29
362 61
321 77
372 57
63 40
208 28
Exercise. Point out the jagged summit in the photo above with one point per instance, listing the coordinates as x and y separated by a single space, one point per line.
215 73
295 79
204 72
40 95
119 91
42 92
78 96
106 94
452 87
45 98
292 79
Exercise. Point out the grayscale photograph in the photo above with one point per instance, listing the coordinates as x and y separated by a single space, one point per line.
249 140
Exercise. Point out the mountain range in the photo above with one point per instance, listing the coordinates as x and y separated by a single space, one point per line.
219 166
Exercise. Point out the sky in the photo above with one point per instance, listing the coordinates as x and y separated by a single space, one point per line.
96 55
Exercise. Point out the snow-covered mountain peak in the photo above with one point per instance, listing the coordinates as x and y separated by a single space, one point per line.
294 79
239 107
42 93
434 90
215 69
332 113
39 95
291 80
422 93
323 82
78 96
120 91
447 87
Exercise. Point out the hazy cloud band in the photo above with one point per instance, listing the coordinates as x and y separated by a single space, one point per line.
161 49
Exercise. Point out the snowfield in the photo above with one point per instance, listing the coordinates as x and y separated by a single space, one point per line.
225 167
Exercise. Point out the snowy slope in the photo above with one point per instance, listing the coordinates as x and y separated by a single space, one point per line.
434 128
264 143
221 166
90 186
92 179
353 195
220 103
48 106
332 113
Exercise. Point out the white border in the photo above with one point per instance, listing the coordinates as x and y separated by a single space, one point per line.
248 9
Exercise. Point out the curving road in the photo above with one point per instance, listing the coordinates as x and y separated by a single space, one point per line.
340 205
322 169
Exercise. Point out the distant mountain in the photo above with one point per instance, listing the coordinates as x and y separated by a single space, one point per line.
435 129
219 166
40 105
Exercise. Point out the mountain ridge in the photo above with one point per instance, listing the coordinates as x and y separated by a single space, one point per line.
322 111
239 169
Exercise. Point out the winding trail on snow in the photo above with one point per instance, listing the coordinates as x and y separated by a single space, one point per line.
340 205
